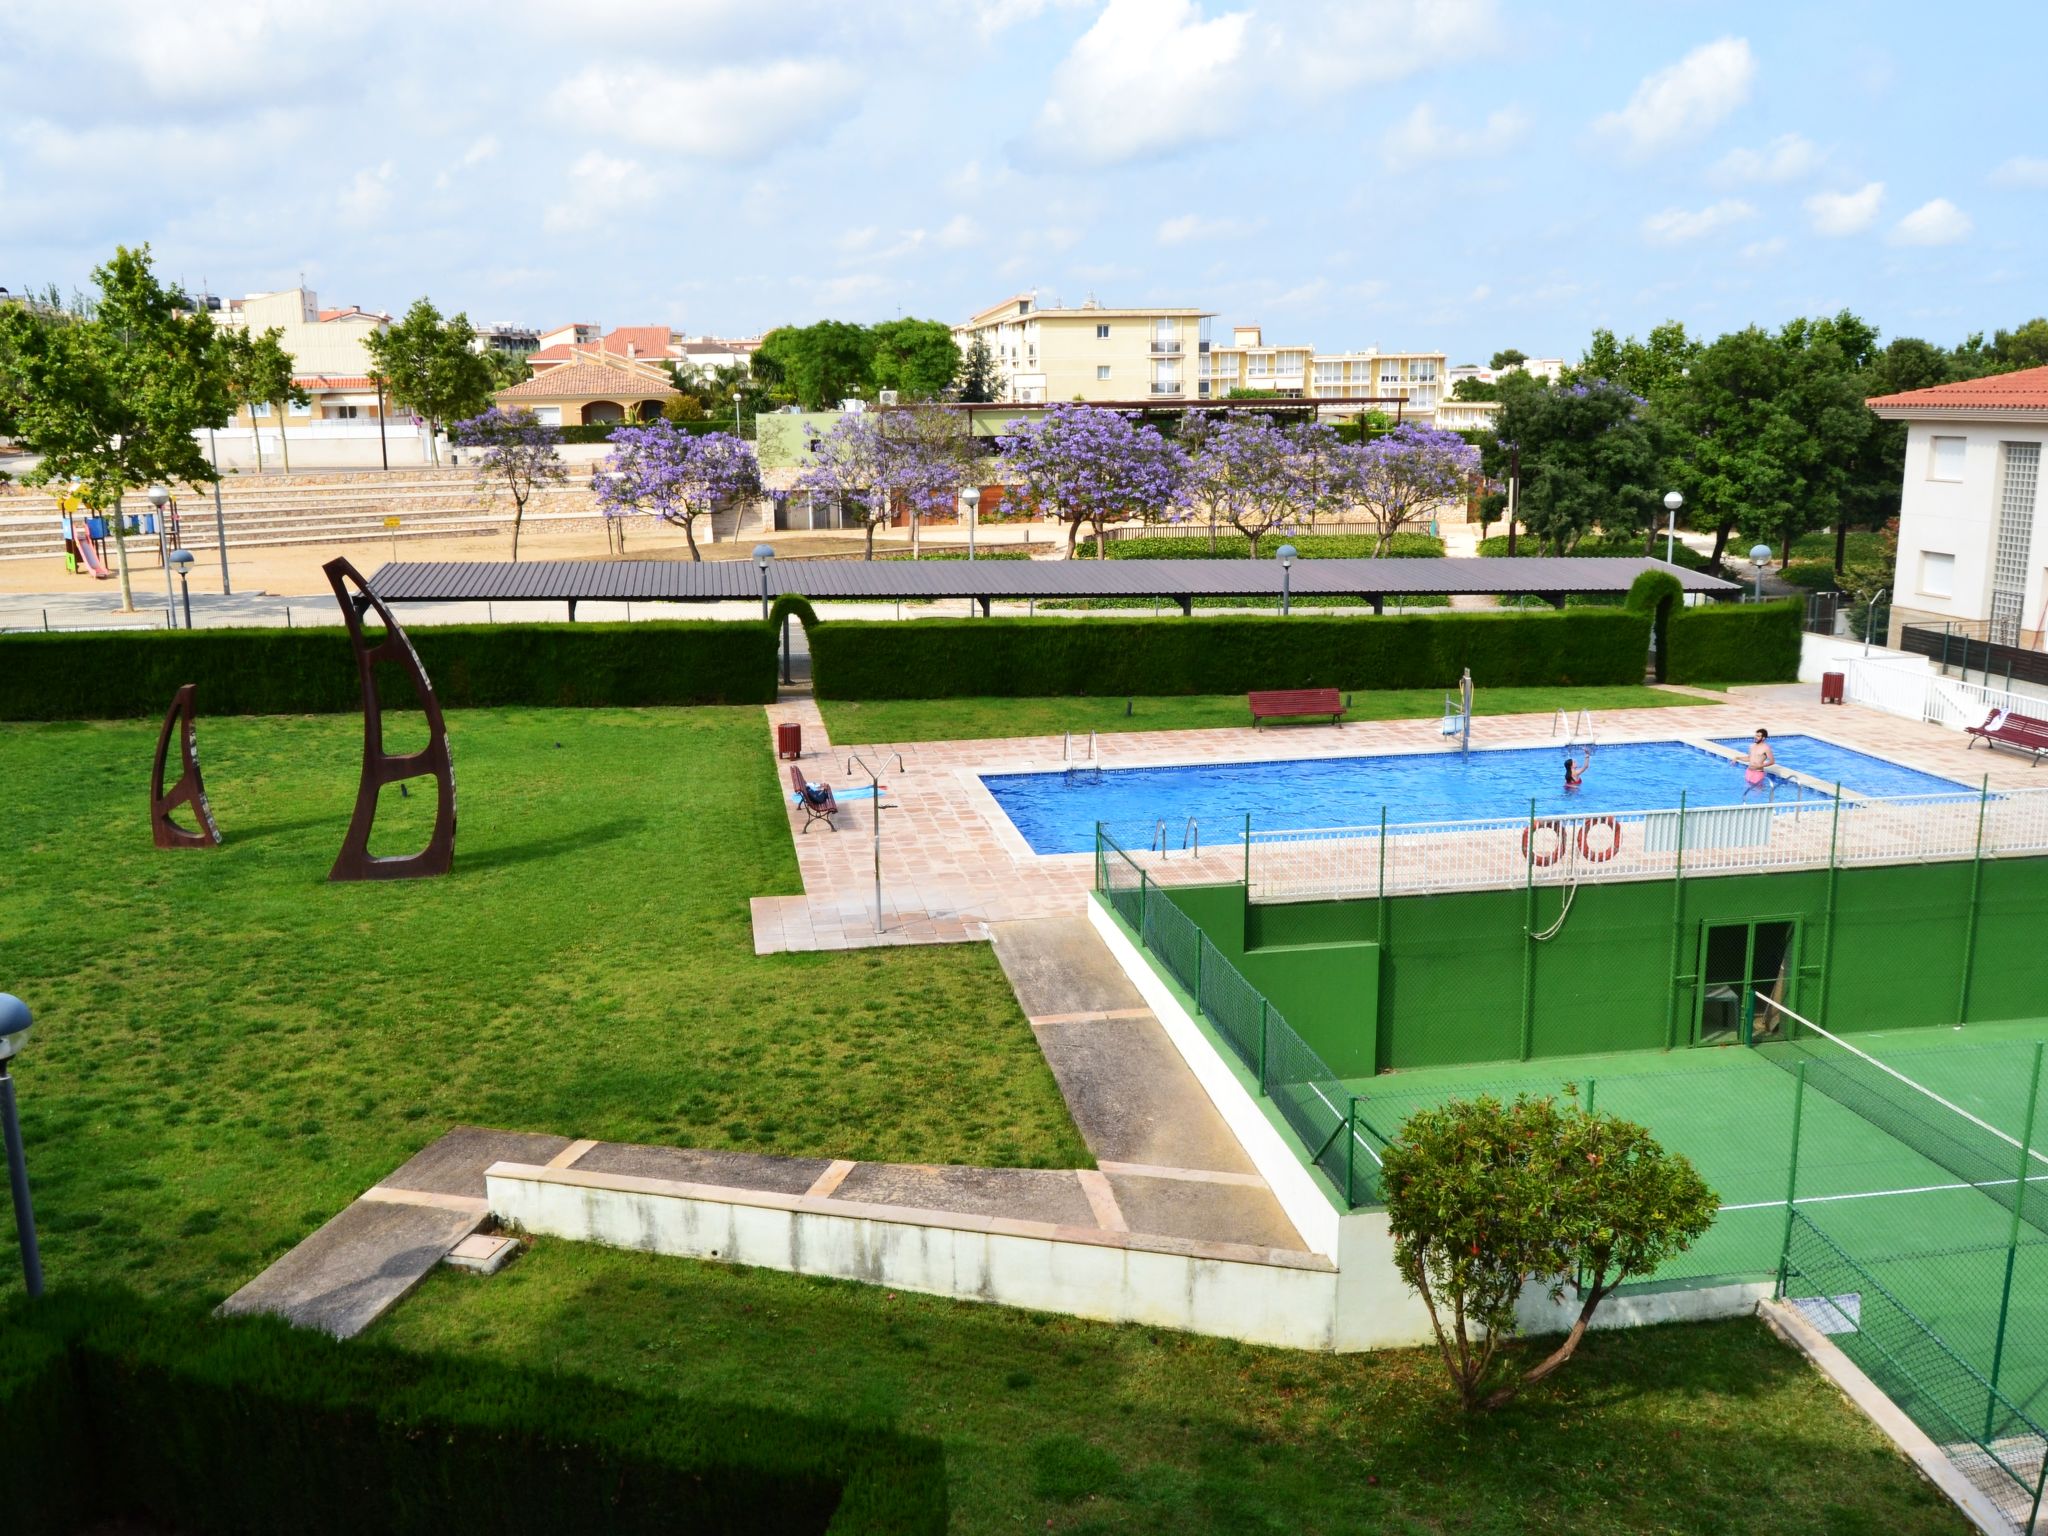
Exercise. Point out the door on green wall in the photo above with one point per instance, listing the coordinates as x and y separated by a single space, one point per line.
1737 961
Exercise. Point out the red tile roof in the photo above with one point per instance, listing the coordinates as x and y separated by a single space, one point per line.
593 381
2000 394
333 381
645 340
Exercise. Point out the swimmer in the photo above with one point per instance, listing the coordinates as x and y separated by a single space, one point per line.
1575 773
1761 761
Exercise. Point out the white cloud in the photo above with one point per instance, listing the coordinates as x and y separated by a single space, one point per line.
853 241
1479 295
2023 171
1786 158
1342 43
603 189
836 292
1939 222
366 199
1189 227
1144 80
1845 213
1422 136
735 112
959 232
1683 101
1761 251
483 149
1682 226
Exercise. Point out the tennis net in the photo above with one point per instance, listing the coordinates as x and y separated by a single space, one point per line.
1977 1152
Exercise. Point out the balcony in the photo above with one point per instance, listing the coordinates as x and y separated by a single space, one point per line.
1166 349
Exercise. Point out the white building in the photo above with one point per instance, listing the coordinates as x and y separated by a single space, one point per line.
1972 548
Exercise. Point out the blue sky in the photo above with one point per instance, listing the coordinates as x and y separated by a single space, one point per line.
1463 174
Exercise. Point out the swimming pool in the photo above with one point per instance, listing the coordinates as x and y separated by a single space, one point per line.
1056 812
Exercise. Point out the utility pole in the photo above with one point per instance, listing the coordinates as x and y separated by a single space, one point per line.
1514 491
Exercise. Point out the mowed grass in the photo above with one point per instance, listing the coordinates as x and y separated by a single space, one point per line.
895 720
228 1049
1054 1424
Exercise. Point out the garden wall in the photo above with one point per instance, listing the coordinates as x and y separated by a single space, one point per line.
112 1408
952 658
106 675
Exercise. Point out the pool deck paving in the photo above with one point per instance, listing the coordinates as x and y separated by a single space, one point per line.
951 864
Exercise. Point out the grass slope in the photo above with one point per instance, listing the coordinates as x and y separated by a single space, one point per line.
228 1049
897 720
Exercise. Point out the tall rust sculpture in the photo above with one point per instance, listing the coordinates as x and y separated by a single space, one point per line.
355 861
189 791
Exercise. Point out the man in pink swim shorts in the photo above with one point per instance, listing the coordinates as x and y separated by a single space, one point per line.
1757 775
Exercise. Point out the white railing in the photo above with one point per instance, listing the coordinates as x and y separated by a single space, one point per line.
1600 847
1922 694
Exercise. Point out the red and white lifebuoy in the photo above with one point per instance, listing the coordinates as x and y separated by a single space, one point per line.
1591 853
1539 858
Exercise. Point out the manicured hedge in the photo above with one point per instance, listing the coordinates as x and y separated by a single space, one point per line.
113 675
1660 595
950 658
1232 545
1736 643
115 1408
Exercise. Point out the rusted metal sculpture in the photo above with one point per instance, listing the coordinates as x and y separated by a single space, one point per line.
355 861
190 790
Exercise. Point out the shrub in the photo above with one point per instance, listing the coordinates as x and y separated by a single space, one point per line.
1600 546
114 675
951 658
792 603
1232 545
1486 1199
601 431
1736 643
115 1408
1658 594
1814 575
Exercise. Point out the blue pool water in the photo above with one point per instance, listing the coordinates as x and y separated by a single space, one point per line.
1056 812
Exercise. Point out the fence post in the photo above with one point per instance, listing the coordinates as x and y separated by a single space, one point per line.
1827 937
1976 890
1262 1045
1101 881
1382 896
1351 1152
2012 1236
1677 931
1529 937
1201 942
1791 1181
1247 855
1144 882
1591 1084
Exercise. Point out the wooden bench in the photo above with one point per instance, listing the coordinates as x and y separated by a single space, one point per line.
2004 728
816 808
1296 704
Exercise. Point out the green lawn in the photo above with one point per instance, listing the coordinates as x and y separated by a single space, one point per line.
897 720
228 1049
1053 1424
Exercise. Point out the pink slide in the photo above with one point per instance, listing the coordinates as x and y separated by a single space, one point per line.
92 559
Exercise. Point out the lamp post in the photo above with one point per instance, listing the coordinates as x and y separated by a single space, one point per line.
1759 556
159 498
14 1026
763 553
182 559
1672 502
220 521
1286 580
736 413
972 497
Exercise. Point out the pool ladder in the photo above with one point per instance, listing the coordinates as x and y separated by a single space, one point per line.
1067 750
1190 839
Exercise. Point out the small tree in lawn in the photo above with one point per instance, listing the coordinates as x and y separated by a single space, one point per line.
517 456
1396 479
1245 471
849 464
1486 1200
1090 465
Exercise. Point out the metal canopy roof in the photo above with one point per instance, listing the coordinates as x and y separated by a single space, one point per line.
710 581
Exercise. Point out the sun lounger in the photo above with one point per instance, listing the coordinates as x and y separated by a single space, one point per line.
816 800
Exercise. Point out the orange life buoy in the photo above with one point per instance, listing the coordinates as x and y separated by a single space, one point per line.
1545 860
1594 855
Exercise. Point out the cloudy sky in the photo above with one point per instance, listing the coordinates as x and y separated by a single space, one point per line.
1462 174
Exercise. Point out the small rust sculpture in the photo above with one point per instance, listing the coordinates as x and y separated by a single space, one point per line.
355 861
190 790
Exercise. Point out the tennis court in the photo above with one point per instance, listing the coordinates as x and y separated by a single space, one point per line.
1884 1175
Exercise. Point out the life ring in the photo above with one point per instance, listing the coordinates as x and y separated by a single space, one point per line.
1594 855
1545 860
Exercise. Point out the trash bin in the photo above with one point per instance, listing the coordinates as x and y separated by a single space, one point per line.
789 740
1831 687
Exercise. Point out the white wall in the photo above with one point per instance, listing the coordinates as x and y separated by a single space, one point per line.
1960 518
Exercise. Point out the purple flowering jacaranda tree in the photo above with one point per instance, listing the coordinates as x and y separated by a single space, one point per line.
675 476
873 462
1247 472
1398 478
1090 465
516 455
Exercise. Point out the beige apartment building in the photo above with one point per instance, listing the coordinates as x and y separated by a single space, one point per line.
1091 352
329 359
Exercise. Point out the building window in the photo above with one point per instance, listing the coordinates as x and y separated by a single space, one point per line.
548 415
343 412
259 410
1102 333
1102 371
293 408
1945 458
1937 574
2010 552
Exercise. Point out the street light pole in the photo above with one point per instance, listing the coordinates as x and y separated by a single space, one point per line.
736 414
14 1027
159 498
1672 502
763 553
1760 556
220 521
1286 580
383 444
182 559
972 496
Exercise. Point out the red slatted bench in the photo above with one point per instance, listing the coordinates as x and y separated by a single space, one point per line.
1296 704
2003 728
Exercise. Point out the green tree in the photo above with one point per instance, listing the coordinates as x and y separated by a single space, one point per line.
113 401
430 365
2025 346
1507 357
980 383
821 364
1487 1200
1654 368
1474 389
917 358
261 372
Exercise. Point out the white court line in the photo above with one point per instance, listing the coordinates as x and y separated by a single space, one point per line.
1880 1194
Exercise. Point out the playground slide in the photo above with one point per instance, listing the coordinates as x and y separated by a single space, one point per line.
91 557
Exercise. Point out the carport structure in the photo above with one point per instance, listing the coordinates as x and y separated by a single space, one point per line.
986 582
